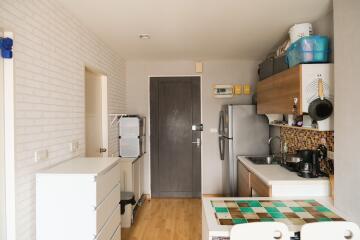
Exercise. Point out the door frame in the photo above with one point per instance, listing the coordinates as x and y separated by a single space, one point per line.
104 107
201 117
7 157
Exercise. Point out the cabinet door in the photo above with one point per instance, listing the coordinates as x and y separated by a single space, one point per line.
276 94
261 189
244 189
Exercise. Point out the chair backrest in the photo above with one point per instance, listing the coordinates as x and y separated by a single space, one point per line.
330 231
260 231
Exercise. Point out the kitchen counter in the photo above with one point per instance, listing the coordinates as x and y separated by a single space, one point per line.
286 183
213 230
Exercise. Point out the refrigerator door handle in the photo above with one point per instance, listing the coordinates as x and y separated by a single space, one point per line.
221 123
221 148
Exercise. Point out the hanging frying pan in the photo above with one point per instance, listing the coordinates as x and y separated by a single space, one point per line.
320 108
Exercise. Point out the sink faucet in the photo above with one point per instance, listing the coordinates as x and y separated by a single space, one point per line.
281 147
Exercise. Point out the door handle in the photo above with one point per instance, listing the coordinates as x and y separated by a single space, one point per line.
221 148
198 142
102 150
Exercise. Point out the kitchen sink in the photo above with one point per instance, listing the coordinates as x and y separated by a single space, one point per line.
264 160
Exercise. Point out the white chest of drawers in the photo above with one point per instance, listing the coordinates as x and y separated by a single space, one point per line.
79 200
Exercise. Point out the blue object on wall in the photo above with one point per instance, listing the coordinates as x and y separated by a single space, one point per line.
6 45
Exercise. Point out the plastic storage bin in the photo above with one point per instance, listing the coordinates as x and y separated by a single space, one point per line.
311 49
266 68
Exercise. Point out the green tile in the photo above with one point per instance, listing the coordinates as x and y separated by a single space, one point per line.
266 220
277 215
324 219
310 201
297 209
322 209
271 209
221 210
239 220
254 204
279 204
246 210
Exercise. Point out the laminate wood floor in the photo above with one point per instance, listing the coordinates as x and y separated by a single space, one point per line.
167 219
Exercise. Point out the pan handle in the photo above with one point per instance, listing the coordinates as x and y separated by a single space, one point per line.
321 88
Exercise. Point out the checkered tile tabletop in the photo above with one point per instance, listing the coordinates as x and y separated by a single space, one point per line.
294 212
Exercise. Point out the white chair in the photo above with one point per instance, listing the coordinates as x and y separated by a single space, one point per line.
260 231
330 231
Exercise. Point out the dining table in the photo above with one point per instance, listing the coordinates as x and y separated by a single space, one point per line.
220 214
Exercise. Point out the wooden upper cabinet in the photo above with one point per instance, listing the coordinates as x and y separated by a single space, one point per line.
277 93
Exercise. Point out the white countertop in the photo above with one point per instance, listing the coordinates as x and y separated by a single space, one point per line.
93 166
275 174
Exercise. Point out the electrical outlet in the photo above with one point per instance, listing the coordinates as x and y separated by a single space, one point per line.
41 155
74 146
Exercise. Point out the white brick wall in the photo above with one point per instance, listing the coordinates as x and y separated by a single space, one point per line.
50 52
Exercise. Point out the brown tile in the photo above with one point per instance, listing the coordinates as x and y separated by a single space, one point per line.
318 214
338 219
241 204
309 220
236 215
264 215
310 209
234 209
315 204
226 222
253 220
290 215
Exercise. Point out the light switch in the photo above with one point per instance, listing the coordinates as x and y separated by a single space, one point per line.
74 146
198 67
237 89
247 89
41 155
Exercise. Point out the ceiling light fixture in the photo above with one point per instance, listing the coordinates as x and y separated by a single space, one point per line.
144 36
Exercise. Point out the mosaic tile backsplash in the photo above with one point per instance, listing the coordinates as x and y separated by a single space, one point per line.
305 139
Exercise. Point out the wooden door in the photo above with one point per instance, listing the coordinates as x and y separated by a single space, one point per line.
175 156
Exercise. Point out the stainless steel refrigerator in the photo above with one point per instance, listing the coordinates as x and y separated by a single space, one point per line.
241 132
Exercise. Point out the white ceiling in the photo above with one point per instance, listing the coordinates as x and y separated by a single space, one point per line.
194 29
